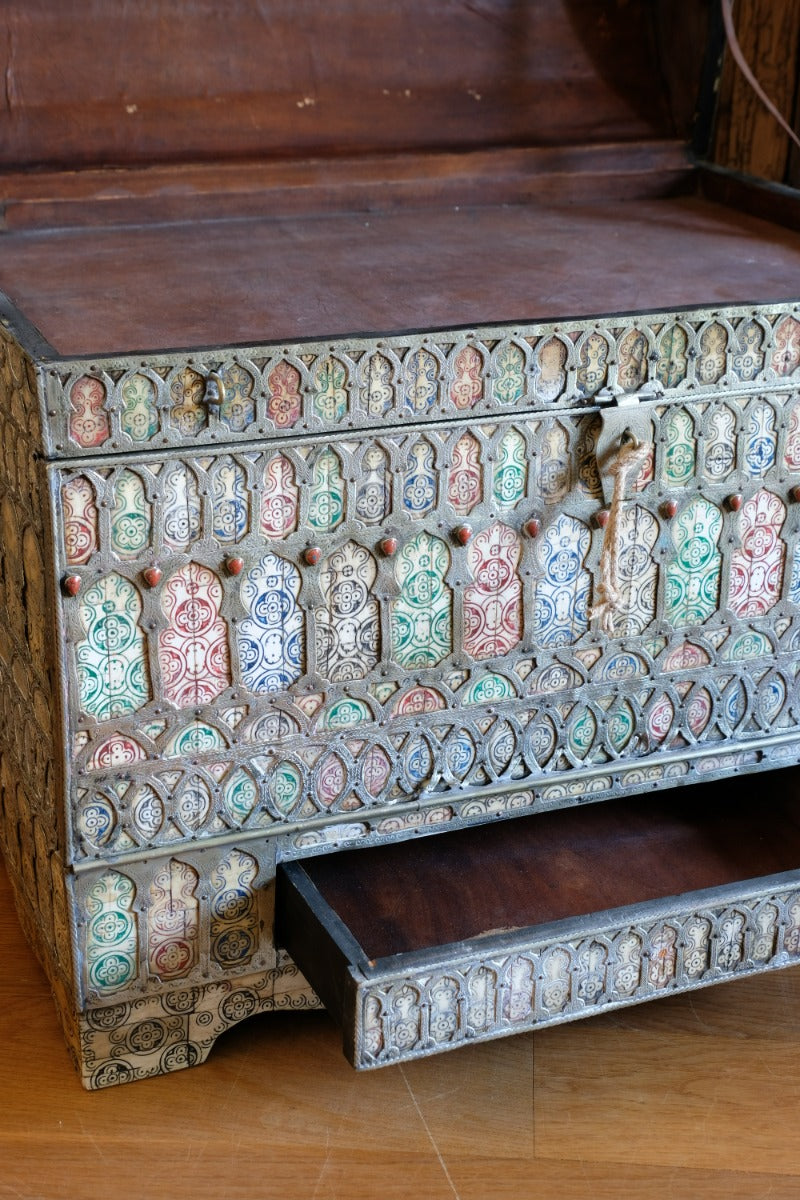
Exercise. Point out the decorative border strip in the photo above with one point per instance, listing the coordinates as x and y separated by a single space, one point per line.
562 974
128 403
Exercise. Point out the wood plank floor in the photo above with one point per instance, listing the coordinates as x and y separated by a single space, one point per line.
687 1098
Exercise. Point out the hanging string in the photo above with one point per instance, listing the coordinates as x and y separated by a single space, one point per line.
631 458
744 67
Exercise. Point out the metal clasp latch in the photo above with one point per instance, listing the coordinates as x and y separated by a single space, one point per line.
214 393
625 416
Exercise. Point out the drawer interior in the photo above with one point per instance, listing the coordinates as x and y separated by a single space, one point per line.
536 881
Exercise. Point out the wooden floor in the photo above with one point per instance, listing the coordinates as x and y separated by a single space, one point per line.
687 1098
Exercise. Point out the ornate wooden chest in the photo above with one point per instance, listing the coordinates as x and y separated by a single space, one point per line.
289 589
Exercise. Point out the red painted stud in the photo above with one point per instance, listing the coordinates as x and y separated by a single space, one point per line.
152 575
602 517
462 534
735 501
312 555
389 546
669 508
794 492
533 527
71 584
234 566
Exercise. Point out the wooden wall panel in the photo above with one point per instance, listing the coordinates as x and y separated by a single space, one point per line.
748 138
93 83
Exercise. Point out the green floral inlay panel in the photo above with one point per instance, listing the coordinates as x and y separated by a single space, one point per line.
509 386
326 503
679 459
330 390
112 673
511 470
111 933
693 578
130 517
422 622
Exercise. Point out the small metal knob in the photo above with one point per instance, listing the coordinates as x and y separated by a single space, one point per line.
533 527
735 501
312 555
602 517
388 546
234 566
669 508
71 584
462 534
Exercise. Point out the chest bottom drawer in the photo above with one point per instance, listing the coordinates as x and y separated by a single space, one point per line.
423 946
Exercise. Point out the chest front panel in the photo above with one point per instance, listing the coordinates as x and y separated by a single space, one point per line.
329 637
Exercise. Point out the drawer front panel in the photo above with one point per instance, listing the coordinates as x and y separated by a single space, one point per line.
315 634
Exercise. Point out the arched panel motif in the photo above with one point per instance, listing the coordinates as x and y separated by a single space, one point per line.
139 416
564 588
230 501
348 627
693 578
786 355
111 942
510 470
271 640
593 368
509 383
555 476
762 438
377 394
588 472
711 361
238 409
279 499
551 360
131 517
672 356
420 381
88 420
720 457
189 413
420 483
422 618
493 603
193 650
638 571
173 921
181 512
373 488
284 402
329 396
80 520
234 911
632 368
467 386
679 456
464 485
791 453
326 501
112 671
748 357
757 567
